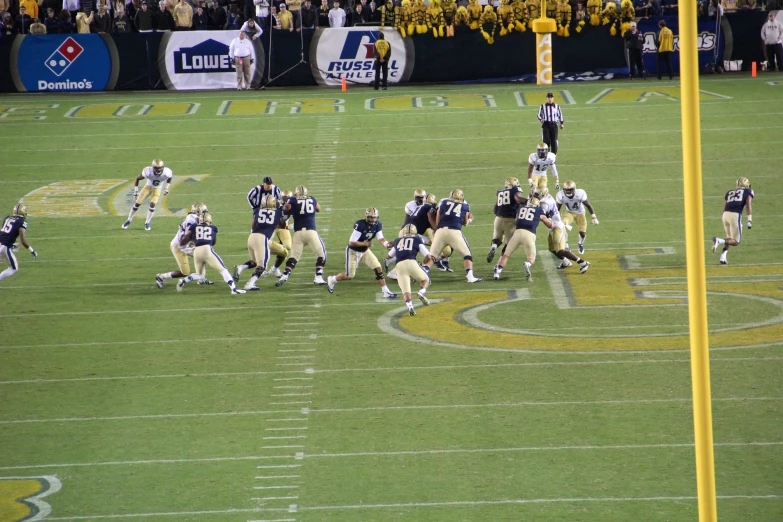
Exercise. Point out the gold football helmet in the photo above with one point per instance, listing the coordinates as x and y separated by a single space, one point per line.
20 210
512 182
432 200
409 230
198 208
743 183
569 187
157 165
541 193
371 215
533 202
284 197
206 219
419 195
457 195
268 201
542 150
300 192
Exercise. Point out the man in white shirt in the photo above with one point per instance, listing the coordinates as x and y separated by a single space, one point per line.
336 16
241 53
772 34
252 30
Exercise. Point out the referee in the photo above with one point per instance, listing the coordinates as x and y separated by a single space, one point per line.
259 191
550 116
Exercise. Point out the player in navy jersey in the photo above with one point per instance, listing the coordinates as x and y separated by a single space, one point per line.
204 236
453 214
505 210
423 218
302 208
527 220
736 200
281 243
14 227
405 249
358 250
266 219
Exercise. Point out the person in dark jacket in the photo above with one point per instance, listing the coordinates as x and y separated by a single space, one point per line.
23 21
101 22
309 17
164 20
375 14
121 23
217 16
323 14
634 40
51 22
200 20
233 20
143 19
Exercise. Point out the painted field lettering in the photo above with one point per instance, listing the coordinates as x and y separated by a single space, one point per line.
258 107
26 112
538 97
641 95
452 101
114 110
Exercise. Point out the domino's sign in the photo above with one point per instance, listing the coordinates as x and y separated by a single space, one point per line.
199 60
347 52
58 63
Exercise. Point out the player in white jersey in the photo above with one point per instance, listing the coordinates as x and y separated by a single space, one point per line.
419 197
158 179
557 234
575 201
538 164
182 252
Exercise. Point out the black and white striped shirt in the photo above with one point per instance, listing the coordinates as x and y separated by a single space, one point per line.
257 192
550 113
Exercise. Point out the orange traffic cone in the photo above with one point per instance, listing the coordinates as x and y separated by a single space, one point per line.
345 84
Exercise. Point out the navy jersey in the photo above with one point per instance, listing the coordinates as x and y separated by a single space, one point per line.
528 218
452 214
407 247
736 199
303 212
507 206
265 220
363 231
419 218
10 229
203 234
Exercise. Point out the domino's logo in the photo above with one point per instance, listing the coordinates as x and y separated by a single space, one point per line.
64 56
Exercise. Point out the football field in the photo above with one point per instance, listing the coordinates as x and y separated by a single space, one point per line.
566 398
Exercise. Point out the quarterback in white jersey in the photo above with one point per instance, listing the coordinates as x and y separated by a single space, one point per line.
182 252
557 234
158 178
538 164
575 201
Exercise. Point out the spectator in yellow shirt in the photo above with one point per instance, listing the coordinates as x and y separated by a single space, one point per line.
183 16
665 49
31 7
286 18
83 22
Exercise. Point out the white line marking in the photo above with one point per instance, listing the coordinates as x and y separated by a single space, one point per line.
282 447
294 379
302 356
291 394
280 466
287 437
287 420
293 364
163 514
158 416
275 487
277 476
157 461
291 387
286 429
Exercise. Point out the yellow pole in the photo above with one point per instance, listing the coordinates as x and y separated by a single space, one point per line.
544 27
697 284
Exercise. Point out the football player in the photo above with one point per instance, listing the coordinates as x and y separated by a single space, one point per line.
405 249
267 188
419 197
358 250
303 209
575 201
281 243
538 164
505 213
557 234
424 220
527 219
158 177
736 200
453 213
181 252
204 236
266 219
14 226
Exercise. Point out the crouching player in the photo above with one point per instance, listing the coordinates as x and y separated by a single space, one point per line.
204 236
527 221
266 219
358 250
406 248
182 252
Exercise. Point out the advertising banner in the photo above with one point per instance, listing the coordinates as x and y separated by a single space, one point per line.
709 41
199 60
347 52
64 62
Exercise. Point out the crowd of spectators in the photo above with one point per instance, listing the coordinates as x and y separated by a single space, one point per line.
122 16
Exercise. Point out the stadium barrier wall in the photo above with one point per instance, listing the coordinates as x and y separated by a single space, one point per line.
141 61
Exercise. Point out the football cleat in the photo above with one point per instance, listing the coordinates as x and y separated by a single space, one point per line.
475 280
276 272
581 247
390 295
491 255
392 274
282 280
583 267
159 281
330 282
206 282
251 288
411 312
528 274
496 275
235 275
126 225
319 280
237 291
445 263
147 227
423 299
441 266
181 285
714 244
724 261
564 264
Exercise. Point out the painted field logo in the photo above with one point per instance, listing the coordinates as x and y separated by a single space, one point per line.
64 56
208 56
21 497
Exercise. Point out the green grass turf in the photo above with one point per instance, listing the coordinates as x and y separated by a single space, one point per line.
154 405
